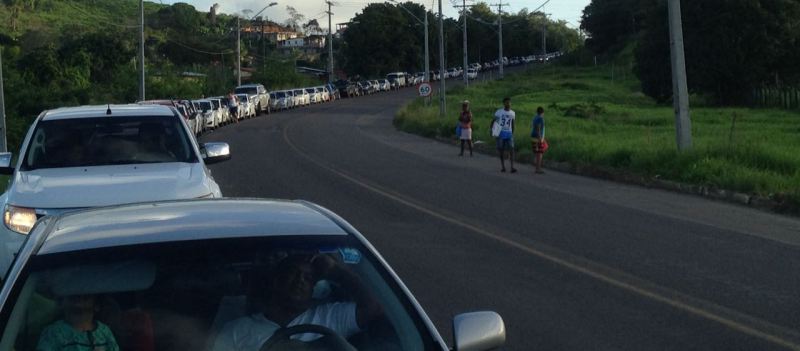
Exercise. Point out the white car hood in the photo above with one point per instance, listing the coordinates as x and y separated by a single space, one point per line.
77 187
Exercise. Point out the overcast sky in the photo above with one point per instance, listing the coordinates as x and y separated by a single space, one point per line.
569 10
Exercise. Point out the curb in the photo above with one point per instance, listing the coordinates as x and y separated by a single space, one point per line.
759 202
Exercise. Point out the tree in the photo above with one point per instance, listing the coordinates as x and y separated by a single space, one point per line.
611 24
295 18
312 27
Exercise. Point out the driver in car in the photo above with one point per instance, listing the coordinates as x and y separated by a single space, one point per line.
289 302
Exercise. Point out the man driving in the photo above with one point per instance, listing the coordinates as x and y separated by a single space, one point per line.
288 302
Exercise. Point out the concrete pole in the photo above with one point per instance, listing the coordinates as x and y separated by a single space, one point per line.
330 45
500 38
3 143
680 90
442 100
427 54
464 74
238 53
141 51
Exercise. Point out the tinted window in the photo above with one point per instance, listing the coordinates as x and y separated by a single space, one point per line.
280 94
205 105
246 90
203 295
107 141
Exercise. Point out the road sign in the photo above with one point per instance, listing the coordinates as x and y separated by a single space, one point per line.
425 90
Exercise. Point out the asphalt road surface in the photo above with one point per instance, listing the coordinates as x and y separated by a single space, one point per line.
571 263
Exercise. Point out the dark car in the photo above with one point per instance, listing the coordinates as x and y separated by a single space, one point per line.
347 88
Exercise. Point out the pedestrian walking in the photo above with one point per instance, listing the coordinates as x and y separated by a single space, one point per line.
465 122
538 142
503 131
233 107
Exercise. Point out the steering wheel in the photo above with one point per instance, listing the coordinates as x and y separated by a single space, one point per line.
330 340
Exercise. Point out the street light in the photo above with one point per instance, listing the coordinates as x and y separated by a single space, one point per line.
239 44
425 24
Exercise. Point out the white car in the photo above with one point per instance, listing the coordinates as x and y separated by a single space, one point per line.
325 95
314 95
472 73
301 97
261 94
208 113
247 107
221 111
90 156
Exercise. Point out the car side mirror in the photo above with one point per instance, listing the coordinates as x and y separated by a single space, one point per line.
478 331
215 152
5 163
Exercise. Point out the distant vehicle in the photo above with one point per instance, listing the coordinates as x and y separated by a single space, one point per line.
262 96
334 91
394 84
472 73
247 105
209 113
221 112
314 96
179 258
302 97
280 100
324 94
364 87
347 88
88 156
400 77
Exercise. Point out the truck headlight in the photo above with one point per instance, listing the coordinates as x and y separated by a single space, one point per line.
19 219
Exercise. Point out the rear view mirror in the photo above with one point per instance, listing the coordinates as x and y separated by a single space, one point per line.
5 163
478 331
215 152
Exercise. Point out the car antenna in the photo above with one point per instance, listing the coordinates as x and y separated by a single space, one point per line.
108 110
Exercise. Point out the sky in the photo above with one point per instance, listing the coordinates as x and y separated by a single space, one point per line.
568 10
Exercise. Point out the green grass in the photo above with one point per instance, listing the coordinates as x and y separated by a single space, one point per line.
594 121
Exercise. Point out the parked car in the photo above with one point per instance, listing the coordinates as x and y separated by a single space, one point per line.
324 94
385 84
209 113
472 73
221 112
247 106
280 100
314 96
364 87
400 78
302 97
194 275
90 156
258 90
335 95
347 88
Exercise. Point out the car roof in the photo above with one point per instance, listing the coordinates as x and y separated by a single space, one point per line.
184 220
93 111
249 86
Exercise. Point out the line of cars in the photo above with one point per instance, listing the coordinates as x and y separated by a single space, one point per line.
112 219
298 97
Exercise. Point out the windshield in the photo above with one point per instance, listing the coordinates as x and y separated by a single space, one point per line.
280 94
205 105
246 90
216 103
310 90
298 92
79 142
243 98
214 295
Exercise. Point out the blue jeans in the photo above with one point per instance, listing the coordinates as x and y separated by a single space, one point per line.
505 144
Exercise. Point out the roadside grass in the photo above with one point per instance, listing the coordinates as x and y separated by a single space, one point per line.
594 121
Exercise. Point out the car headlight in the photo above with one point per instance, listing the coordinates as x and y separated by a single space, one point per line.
19 219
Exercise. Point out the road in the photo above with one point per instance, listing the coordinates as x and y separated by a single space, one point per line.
571 263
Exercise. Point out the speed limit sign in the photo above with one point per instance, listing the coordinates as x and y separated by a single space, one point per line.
425 90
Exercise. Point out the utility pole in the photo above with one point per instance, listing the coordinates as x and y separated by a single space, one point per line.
442 101
427 54
464 15
141 50
3 145
330 44
238 53
680 90
500 36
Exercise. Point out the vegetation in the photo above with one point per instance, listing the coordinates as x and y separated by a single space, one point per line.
595 121
75 52
384 38
732 47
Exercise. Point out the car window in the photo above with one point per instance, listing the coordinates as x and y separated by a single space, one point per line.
80 142
246 90
208 295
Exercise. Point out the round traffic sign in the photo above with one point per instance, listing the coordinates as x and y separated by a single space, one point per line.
425 89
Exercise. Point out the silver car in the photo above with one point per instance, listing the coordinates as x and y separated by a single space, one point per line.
210 274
